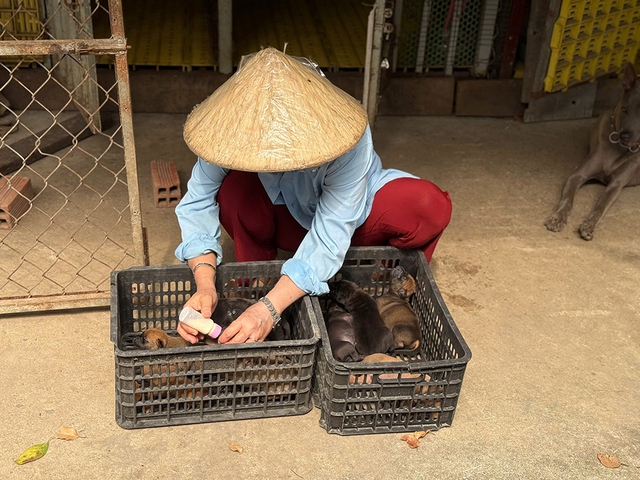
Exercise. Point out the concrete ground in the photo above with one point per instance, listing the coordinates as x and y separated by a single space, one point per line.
550 318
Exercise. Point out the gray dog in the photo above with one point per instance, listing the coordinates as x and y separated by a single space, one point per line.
613 159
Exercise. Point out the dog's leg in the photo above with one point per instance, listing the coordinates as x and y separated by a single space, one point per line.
620 178
589 170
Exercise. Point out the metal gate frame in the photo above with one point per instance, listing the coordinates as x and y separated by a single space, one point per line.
117 46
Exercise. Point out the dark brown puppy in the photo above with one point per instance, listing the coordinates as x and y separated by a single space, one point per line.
396 311
372 335
342 335
229 309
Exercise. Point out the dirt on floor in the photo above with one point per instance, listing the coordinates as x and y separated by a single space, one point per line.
551 321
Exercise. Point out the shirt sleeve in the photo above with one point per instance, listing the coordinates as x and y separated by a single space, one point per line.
340 208
199 214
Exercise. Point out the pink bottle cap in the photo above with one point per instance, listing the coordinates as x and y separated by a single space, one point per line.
217 330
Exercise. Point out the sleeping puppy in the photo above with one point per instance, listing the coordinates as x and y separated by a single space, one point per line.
396 312
371 334
342 336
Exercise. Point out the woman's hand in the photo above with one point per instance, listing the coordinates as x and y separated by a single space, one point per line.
256 322
206 297
205 301
252 326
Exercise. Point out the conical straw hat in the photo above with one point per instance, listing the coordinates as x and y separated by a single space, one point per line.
274 115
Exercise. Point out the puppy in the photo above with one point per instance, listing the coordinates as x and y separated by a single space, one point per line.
154 339
614 159
342 336
229 309
396 312
371 334
382 358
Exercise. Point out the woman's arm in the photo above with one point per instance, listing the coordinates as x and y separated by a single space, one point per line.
206 298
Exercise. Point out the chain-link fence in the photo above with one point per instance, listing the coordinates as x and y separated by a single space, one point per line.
69 203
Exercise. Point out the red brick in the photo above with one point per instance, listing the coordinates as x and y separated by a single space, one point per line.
166 184
15 198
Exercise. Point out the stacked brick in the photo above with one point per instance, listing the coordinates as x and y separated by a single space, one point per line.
166 184
15 199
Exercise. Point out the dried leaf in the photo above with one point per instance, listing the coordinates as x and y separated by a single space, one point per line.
67 433
33 453
235 447
413 442
609 461
405 437
421 433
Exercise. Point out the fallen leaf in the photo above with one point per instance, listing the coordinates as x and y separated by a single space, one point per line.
609 461
33 453
413 442
235 447
421 433
67 433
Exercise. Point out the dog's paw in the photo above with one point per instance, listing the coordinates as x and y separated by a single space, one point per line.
587 230
555 222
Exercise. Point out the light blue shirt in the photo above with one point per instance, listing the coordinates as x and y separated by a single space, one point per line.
330 201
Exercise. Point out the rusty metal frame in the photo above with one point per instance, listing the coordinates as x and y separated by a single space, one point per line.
371 88
117 46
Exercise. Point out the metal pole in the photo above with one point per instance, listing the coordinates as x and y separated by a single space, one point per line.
367 60
453 39
225 36
126 121
422 39
376 61
398 24
485 37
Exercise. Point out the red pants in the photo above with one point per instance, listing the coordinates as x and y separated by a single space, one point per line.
407 213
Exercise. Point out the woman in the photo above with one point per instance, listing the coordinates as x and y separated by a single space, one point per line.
286 160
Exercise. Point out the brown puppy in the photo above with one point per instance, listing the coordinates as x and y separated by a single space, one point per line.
154 338
396 312
342 336
371 334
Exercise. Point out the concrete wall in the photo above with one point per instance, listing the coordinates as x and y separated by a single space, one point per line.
175 91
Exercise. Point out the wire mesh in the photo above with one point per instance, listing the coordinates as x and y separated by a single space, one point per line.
442 26
65 209
468 34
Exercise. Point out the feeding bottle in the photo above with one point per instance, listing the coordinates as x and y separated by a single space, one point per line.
194 318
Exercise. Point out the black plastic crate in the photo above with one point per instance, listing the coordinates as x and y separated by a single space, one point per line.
420 393
205 383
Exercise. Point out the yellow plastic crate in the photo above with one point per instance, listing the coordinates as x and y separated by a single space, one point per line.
592 38
21 21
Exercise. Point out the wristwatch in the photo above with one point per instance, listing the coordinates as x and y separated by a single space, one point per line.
272 310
